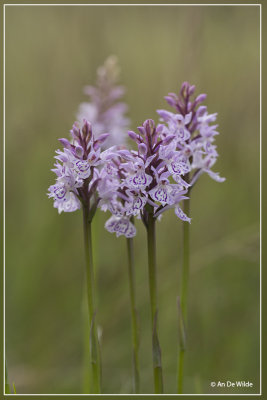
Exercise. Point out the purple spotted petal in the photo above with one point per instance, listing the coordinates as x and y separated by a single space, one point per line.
82 168
215 176
111 223
183 134
120 226
160 193
180 214
136 205
131 231
178 168
139 181
181 181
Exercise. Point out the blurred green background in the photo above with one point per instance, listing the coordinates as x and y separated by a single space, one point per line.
51 53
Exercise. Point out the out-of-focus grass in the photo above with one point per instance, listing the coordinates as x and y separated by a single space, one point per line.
51 53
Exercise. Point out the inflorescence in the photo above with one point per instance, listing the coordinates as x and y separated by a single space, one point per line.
168 160
106 112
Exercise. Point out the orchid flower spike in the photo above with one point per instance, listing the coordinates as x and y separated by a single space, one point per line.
105 110
145 181
194 130
76 169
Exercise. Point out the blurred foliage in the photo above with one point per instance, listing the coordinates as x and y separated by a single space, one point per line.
51 53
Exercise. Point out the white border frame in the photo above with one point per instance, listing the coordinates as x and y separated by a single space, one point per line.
132 5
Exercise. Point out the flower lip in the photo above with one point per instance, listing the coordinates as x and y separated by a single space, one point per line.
60 192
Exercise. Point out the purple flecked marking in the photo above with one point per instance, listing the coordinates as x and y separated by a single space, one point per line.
60 193
161 194
82 166
176 167
122 226
139 179
137 204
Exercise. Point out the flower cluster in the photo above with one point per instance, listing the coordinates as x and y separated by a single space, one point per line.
143 181
105 112
168 160
194 130
77 175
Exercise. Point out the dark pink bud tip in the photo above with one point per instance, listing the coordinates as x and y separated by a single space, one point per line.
170 101
149 126
65 143
142 149
200 98
87 128
133 135
191 89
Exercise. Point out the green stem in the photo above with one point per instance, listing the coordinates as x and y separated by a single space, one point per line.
184 288
135 336
94 345
151 244
86 372
86 354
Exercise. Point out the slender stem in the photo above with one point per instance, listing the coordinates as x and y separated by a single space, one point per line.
184 288
94 345
135 336
86 372
185 269
151 244
86 355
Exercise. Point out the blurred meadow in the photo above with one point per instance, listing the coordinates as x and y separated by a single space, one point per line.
51 53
